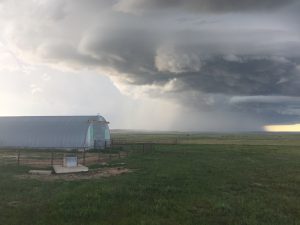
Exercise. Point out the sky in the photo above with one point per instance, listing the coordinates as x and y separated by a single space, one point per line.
192 65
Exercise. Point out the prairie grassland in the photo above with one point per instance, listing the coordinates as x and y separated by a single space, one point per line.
291 139
169 184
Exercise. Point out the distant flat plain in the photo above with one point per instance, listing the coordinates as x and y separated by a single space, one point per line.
253 138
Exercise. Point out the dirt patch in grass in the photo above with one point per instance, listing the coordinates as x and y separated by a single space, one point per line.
92 174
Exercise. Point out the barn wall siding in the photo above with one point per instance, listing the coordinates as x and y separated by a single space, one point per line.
48 131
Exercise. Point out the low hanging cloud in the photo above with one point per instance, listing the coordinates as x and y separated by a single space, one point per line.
210 55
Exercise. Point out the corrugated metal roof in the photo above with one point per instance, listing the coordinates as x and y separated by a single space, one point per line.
45 131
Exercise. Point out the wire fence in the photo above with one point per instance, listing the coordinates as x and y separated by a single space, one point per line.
147 142
46 158
39 158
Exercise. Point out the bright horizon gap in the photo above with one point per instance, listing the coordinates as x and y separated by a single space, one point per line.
283 128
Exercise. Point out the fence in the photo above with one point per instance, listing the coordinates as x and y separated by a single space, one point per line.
47 158
148 142
40 158
134 146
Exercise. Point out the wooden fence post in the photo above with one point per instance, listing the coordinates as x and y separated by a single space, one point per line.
18 157
98 155
52 158
83 157
77 157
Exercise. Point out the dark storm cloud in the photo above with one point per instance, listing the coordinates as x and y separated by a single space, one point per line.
274 109
201 5
201 65
249 76
215 59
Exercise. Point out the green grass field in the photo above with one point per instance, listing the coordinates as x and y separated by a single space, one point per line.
171 184
290 139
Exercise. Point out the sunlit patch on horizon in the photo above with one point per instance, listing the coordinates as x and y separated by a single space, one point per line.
283 128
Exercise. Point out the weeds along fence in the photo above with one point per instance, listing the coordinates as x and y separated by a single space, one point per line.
46 158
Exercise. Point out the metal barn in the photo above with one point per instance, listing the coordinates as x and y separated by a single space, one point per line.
54 132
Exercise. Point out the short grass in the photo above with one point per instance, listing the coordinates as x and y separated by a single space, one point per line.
172 184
